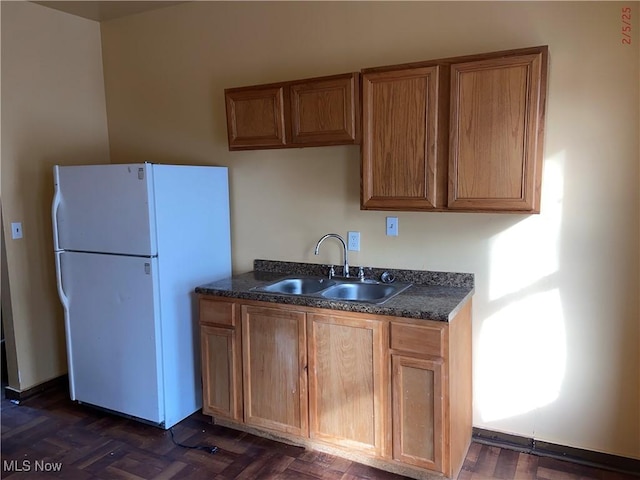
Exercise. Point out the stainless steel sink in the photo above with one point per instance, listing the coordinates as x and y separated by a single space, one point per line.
363 292
298 286
366 291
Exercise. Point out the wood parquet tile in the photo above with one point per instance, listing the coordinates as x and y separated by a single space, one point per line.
49 437
484 462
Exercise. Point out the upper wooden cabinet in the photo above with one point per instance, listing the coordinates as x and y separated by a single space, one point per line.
255 117
461 133
325 110
312 112
400 143
497 118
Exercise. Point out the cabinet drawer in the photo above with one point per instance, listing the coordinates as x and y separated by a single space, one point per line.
219 313
423 340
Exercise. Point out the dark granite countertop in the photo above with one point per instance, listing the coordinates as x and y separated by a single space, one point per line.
433 295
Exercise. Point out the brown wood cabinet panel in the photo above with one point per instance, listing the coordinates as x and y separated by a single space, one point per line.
391 390
220 373
490 157
459 377
325 110
422 340
418 411
274 369
217 312
497 108
348 382
399 144
302 113
255 117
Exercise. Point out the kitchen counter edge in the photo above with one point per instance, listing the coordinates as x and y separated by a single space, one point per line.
434 296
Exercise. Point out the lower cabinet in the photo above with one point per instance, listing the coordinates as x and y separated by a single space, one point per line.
218 349
220 353
348 384
418 411
274 364
391 390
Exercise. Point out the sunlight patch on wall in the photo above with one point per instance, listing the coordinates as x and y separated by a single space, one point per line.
522 357
522 346
528 251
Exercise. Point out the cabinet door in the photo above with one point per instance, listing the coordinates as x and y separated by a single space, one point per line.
274 367
325 110
220 373
399 139
495 154
418 411
348 382
255 117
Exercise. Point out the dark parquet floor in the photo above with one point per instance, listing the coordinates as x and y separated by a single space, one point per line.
48 436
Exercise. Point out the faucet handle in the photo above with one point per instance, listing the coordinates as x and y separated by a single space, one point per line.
332 270
361 273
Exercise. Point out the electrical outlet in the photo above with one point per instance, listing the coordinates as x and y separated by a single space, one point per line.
16 230
392 226
353 241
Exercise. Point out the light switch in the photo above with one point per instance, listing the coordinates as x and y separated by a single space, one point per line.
16 230
392 226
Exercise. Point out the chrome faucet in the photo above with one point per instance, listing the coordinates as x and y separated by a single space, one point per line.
345 268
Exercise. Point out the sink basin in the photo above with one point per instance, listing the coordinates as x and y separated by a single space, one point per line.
364 292
367 291
298 286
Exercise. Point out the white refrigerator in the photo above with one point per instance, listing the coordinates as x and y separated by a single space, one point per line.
131 244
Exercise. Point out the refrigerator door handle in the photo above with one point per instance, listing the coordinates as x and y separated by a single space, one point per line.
63 296
65 305
55 206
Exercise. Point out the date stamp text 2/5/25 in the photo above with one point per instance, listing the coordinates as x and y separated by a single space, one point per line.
625 19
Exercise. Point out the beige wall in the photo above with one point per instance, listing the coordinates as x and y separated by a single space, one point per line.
53 112
556 311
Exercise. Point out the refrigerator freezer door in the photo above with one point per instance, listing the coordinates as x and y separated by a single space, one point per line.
112 324
105 208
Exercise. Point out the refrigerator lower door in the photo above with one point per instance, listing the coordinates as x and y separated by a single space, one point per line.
112 324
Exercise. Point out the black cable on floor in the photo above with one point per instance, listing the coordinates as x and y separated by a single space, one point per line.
205 448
